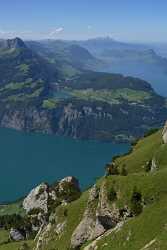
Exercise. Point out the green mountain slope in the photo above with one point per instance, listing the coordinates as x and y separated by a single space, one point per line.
37 95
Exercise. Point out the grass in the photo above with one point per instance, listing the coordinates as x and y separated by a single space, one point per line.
16 245
23 97
50 103
141 230
112 96
13 208
4 236
144 151
75 211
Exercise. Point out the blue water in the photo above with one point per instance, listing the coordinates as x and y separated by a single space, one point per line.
29 159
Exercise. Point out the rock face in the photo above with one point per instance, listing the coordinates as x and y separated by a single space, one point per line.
69 180
98 218
43 195
26 119
16 235
154 165
84 230
37 199
164 133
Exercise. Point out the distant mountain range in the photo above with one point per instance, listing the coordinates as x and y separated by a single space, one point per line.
53 87
107 55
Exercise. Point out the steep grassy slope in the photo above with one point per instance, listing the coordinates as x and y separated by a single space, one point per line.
149 227
147 230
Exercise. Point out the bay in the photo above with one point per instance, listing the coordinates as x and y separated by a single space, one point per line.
26 160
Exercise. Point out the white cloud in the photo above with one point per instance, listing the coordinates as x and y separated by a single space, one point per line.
90 27
7 33
56 31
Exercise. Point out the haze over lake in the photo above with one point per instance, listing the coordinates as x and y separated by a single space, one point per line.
29 159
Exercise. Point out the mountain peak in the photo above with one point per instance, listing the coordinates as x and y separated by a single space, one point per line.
15 43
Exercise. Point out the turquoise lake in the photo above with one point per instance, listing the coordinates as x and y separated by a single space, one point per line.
29 159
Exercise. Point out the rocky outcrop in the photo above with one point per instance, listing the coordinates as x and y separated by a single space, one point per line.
69 180
106 216
37 199
42 197
164 133
97 219
16 235
154 165
85 229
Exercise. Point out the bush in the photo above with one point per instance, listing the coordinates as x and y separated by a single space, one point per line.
148 165
123 171
112 195
111 169
136 203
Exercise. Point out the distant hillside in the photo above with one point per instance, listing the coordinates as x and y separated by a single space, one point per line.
68 57
105 54
48 90
99 44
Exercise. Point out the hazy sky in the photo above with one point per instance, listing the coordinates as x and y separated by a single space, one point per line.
128 20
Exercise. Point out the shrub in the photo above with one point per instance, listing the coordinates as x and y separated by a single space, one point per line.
148 165
136 203
112 195
123 171
111 169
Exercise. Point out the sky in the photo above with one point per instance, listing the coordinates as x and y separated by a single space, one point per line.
124 20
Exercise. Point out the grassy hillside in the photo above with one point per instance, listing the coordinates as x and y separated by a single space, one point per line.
148 229
150 225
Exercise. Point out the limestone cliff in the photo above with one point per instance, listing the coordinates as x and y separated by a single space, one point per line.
164 133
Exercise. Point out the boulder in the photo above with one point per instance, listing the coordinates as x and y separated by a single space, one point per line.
37 199
16 235
164 133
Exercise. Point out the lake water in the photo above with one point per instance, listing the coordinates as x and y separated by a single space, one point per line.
29 159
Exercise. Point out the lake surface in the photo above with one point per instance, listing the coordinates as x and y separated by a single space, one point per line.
29 159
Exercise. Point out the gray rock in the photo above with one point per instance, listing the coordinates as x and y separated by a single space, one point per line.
154 165
164 133
40 196
16 235
70 180
37 199
96 220
84 230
